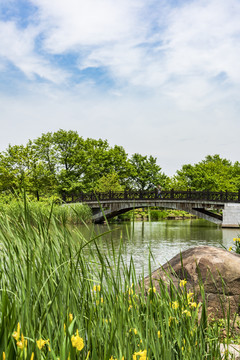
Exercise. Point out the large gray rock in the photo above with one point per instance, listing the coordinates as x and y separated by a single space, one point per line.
218 269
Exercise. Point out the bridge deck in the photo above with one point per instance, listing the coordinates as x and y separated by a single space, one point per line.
111 204
189 195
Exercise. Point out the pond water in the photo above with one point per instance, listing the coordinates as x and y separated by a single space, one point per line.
164 238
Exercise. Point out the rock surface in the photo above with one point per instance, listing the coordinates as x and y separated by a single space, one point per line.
220 273
233 351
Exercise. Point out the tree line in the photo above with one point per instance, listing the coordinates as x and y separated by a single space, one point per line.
63 163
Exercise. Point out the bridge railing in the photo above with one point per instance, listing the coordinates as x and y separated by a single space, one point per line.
188 195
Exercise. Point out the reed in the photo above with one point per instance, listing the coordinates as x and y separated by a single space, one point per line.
72 213
62 298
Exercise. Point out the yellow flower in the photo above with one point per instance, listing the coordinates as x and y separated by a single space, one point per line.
4 356
175 305
41 343
189 296
22 343
77 341
130 292
193 304
70 318
236 239
152 290
170 320
16 334
142 354
32 356
187 312
159 334
96 288
230 249
182 283
98 302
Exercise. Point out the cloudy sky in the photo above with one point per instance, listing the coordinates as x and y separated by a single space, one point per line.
159 77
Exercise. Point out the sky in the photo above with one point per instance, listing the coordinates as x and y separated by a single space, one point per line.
158 77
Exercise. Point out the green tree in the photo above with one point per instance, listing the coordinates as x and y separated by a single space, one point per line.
21 168
63 162
102 160
109 182
145 174
213 174
46 152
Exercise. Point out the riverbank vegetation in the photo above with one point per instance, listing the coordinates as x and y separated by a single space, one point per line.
62 163
13 206
153 214
62 298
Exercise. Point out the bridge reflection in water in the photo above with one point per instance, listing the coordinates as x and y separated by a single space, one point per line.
204 204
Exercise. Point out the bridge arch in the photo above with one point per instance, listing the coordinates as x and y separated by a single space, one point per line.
99 215
199 203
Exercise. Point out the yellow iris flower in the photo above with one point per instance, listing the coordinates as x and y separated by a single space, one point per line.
77 342
142 354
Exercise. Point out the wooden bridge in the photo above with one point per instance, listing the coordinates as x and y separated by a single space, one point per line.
204 204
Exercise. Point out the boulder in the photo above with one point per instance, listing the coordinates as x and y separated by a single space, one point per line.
217 269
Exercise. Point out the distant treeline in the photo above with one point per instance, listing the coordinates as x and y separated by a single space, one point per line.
62 163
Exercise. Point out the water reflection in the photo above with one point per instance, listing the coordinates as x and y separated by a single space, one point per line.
164 238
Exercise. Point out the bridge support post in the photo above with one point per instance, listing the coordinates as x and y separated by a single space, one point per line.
231 215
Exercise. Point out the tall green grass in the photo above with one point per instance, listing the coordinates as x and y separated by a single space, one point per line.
67 213
61 289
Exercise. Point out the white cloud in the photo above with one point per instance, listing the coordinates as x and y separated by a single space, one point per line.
18 47
142 44
175 72
73 23
199 38
148 125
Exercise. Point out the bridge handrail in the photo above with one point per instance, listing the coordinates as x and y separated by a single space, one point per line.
188 195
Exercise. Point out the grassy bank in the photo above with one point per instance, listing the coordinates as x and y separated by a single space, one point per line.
71 214
58 303
153 214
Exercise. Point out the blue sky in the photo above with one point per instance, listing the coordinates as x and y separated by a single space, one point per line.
157 77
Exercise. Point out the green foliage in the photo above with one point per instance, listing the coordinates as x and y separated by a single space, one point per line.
236 245
213 174
63 163
145 173
63 290
153 214
69 214
109 182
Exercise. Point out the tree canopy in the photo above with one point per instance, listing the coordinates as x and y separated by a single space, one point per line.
213 174
64 163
